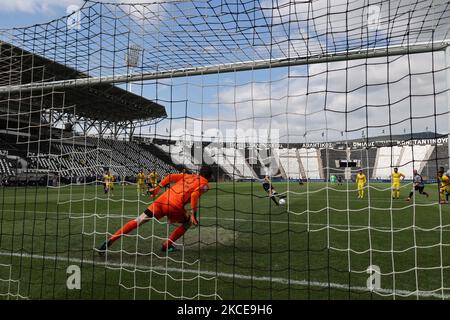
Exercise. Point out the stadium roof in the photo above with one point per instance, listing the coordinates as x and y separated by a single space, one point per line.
98 102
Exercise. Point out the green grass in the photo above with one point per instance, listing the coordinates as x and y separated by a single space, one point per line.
317 247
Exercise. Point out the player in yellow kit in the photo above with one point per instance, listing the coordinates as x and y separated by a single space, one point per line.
361 182
108 181
444 186
396 178
140 181
112 179
152 179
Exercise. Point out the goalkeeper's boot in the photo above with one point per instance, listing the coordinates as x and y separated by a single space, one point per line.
102 249
168 248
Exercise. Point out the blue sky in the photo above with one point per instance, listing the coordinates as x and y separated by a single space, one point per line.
19 13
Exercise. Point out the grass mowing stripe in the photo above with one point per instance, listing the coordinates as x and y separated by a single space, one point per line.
86 215
381 291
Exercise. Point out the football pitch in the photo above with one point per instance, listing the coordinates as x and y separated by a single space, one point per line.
318 246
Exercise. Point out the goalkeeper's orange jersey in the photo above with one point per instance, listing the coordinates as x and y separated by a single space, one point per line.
187 187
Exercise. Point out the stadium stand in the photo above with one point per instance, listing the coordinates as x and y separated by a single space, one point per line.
163 158
81 159
217 154
437 158
180 154
367 157
237 160
44 137
310 158
387 158
364 158
254 161
329 158
413 157
6 167
88 157
289 162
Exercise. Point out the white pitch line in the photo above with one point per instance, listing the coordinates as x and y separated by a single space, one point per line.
381 291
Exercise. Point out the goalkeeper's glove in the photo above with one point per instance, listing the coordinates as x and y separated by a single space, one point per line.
154 191
193 219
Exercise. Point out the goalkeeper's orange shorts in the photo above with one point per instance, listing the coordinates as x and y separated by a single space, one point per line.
162 207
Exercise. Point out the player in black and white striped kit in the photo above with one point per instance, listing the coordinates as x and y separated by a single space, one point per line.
418 185
268 187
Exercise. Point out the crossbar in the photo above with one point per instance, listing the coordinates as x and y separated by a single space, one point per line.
233 67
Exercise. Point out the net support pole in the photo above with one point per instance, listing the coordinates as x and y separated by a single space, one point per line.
447 71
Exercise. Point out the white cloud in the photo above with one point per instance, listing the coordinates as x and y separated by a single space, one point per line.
37 6
50 6
409 95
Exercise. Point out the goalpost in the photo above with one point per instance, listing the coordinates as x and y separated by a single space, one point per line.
295 90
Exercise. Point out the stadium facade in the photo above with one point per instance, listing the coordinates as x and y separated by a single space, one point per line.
75 134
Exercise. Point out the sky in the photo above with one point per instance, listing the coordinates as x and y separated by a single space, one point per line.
18 13
321 102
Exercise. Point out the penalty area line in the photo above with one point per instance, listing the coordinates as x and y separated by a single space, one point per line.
381 291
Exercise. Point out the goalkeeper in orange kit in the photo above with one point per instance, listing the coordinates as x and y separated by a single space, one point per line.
186 188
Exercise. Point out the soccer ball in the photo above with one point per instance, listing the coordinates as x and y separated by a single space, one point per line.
282 202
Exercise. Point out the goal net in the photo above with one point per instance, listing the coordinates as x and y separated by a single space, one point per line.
325 124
